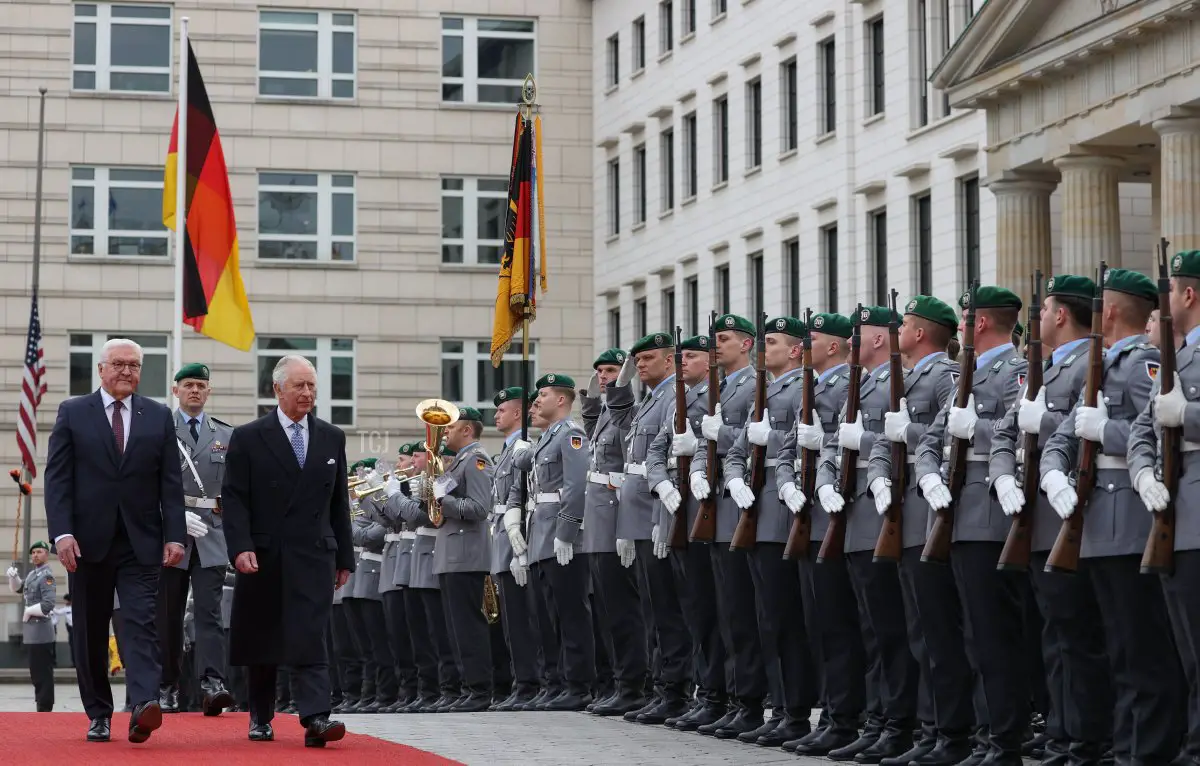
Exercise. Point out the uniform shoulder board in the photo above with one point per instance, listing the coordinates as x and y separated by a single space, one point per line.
220 422
702 389
1066 362
1145 346
953 378
884 375
1015 361
834 378
999 363
1152 370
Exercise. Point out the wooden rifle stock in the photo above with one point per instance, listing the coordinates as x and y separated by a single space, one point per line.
890 544
746 532
1159 556
834 544
683 464
800 535
704 528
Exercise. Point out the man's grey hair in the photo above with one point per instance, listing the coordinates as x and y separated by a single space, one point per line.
107 348
280 373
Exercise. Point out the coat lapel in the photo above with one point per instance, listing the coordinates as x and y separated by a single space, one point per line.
104 426
279 445
137 425
316 444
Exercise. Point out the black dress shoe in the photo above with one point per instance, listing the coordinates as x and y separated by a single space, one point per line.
145 719
693 706
321 730
747 719
947 752
790 729
421 705
750 737
620 703
168 699
894 741
541 698
345 704
632 715
291 709
261 732
922 748
1035 746
216 697
369 709
99 730
569 702
710 729
703 714
847 753
474 703
444 703
823 741
669 707
979 752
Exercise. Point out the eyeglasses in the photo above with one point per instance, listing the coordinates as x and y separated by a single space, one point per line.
119 366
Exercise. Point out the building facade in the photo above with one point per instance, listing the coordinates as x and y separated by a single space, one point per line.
368 147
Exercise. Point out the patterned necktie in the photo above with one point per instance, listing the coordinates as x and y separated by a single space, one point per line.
192 423
297 443
118 426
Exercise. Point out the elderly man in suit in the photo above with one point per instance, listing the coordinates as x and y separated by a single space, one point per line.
114 505
287 527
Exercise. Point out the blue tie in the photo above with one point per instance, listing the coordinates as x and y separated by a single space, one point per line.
297 443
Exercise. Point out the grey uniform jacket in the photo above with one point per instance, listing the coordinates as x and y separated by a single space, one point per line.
413 512
559 463
737 403
505 483
38 588
926 391
1143 449
1063 384
1116 522
462 539
208 455
783 399
606 422
368 532
660 466
829 396
977 513
639 507
401 546
391 542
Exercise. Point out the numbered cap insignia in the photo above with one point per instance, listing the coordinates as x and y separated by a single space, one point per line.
729 321
703 341
911 305
550 378
780 324
864 315
819 322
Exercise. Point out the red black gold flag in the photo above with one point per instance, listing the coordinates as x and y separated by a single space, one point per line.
518 279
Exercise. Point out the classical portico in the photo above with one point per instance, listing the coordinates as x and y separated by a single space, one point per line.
1081 96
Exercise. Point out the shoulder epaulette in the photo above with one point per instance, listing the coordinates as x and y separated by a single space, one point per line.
220 422
883 375
1015 361
1144 346
833 378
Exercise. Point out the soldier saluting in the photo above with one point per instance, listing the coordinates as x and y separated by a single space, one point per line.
37 631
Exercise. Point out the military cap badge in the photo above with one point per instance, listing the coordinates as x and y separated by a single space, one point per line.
780 324
621 356
502 395
819 322
865 315
911 305
1177 262
965 300
703 341
729 321
1050 284
1108 273
550 378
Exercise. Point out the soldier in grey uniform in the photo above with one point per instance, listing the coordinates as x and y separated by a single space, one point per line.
202 442
353 642
1079 720
692 567
390 590
37 629
349 658
992 601
791 673
237 673
558 464
876 586
1148 716
731 569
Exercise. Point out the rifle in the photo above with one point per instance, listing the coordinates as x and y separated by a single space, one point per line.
704 528
889 546
834 544
746 532
800 534
937 547
1064 556
1019 544
683 463
1159 556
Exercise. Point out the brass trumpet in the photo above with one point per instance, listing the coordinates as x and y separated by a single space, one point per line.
437 415
360 493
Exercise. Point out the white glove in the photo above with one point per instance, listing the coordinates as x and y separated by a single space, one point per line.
1169 408
1060 493
758 432
710 425
810 437
792 497
519 566
895 424
14 579
831 499
393 487
850 434
741 494
881 488
439 491
627 370
669 496
372 478
627 552
593 389
1011 498
684 444
936 493
699 485
960 423
512 525
520 445
660 546
195 525
1153 492
31 612
563 551
1031 412
1090 421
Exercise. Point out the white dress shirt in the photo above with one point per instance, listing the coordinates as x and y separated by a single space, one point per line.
126 415
286 423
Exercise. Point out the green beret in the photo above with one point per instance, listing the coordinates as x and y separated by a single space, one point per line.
695 343
1071 286
991 297
407 449
735 322
928 307
470 413
787 326
39 544
369 462
554 380
652 342
355 466
875 316
446 451
1131 282
1018 330
195 370
612 356
832 324
1186 264
506 394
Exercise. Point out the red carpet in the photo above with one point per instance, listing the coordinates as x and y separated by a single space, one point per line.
192 739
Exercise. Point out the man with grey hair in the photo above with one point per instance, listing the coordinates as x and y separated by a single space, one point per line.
287 528
114 507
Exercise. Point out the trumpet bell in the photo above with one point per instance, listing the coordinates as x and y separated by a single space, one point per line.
437 412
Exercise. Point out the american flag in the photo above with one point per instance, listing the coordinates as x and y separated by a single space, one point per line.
33 387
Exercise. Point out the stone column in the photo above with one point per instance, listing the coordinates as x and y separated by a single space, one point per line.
1091 212
1022 229
1179 182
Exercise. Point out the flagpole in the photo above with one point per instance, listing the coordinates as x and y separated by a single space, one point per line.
37 266
181 174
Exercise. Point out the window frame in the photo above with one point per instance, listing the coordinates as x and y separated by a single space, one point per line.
722 293
101 184
720 106
614 196
923 241
754 124
756 284
641 318
324 74
470 360
614 327
325 239
789 113
687 18
613 52
469 32
641 174
876 70
827 83
877 220
920 78
99 338
791 264
103 68
667 304
638 45
691 288
666 27
971 239
322 358
691 156
470 240
666 162
829 256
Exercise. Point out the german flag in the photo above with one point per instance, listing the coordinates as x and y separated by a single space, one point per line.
515 291
214 298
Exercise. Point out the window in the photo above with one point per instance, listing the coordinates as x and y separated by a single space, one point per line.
306 54
691 183
469 379
756 303
687 17
923 226
640 320
691 287
614 197
789 120
334 360
722 296
970 228
639 43
639 184
876 98
614 61
484 61
666 26
85 350
306 216
791 260
718 8
754 123
827 98
668 309
720 140
133 224
666 149
920 78
614 328
829 252
473 219
122 48
879 255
